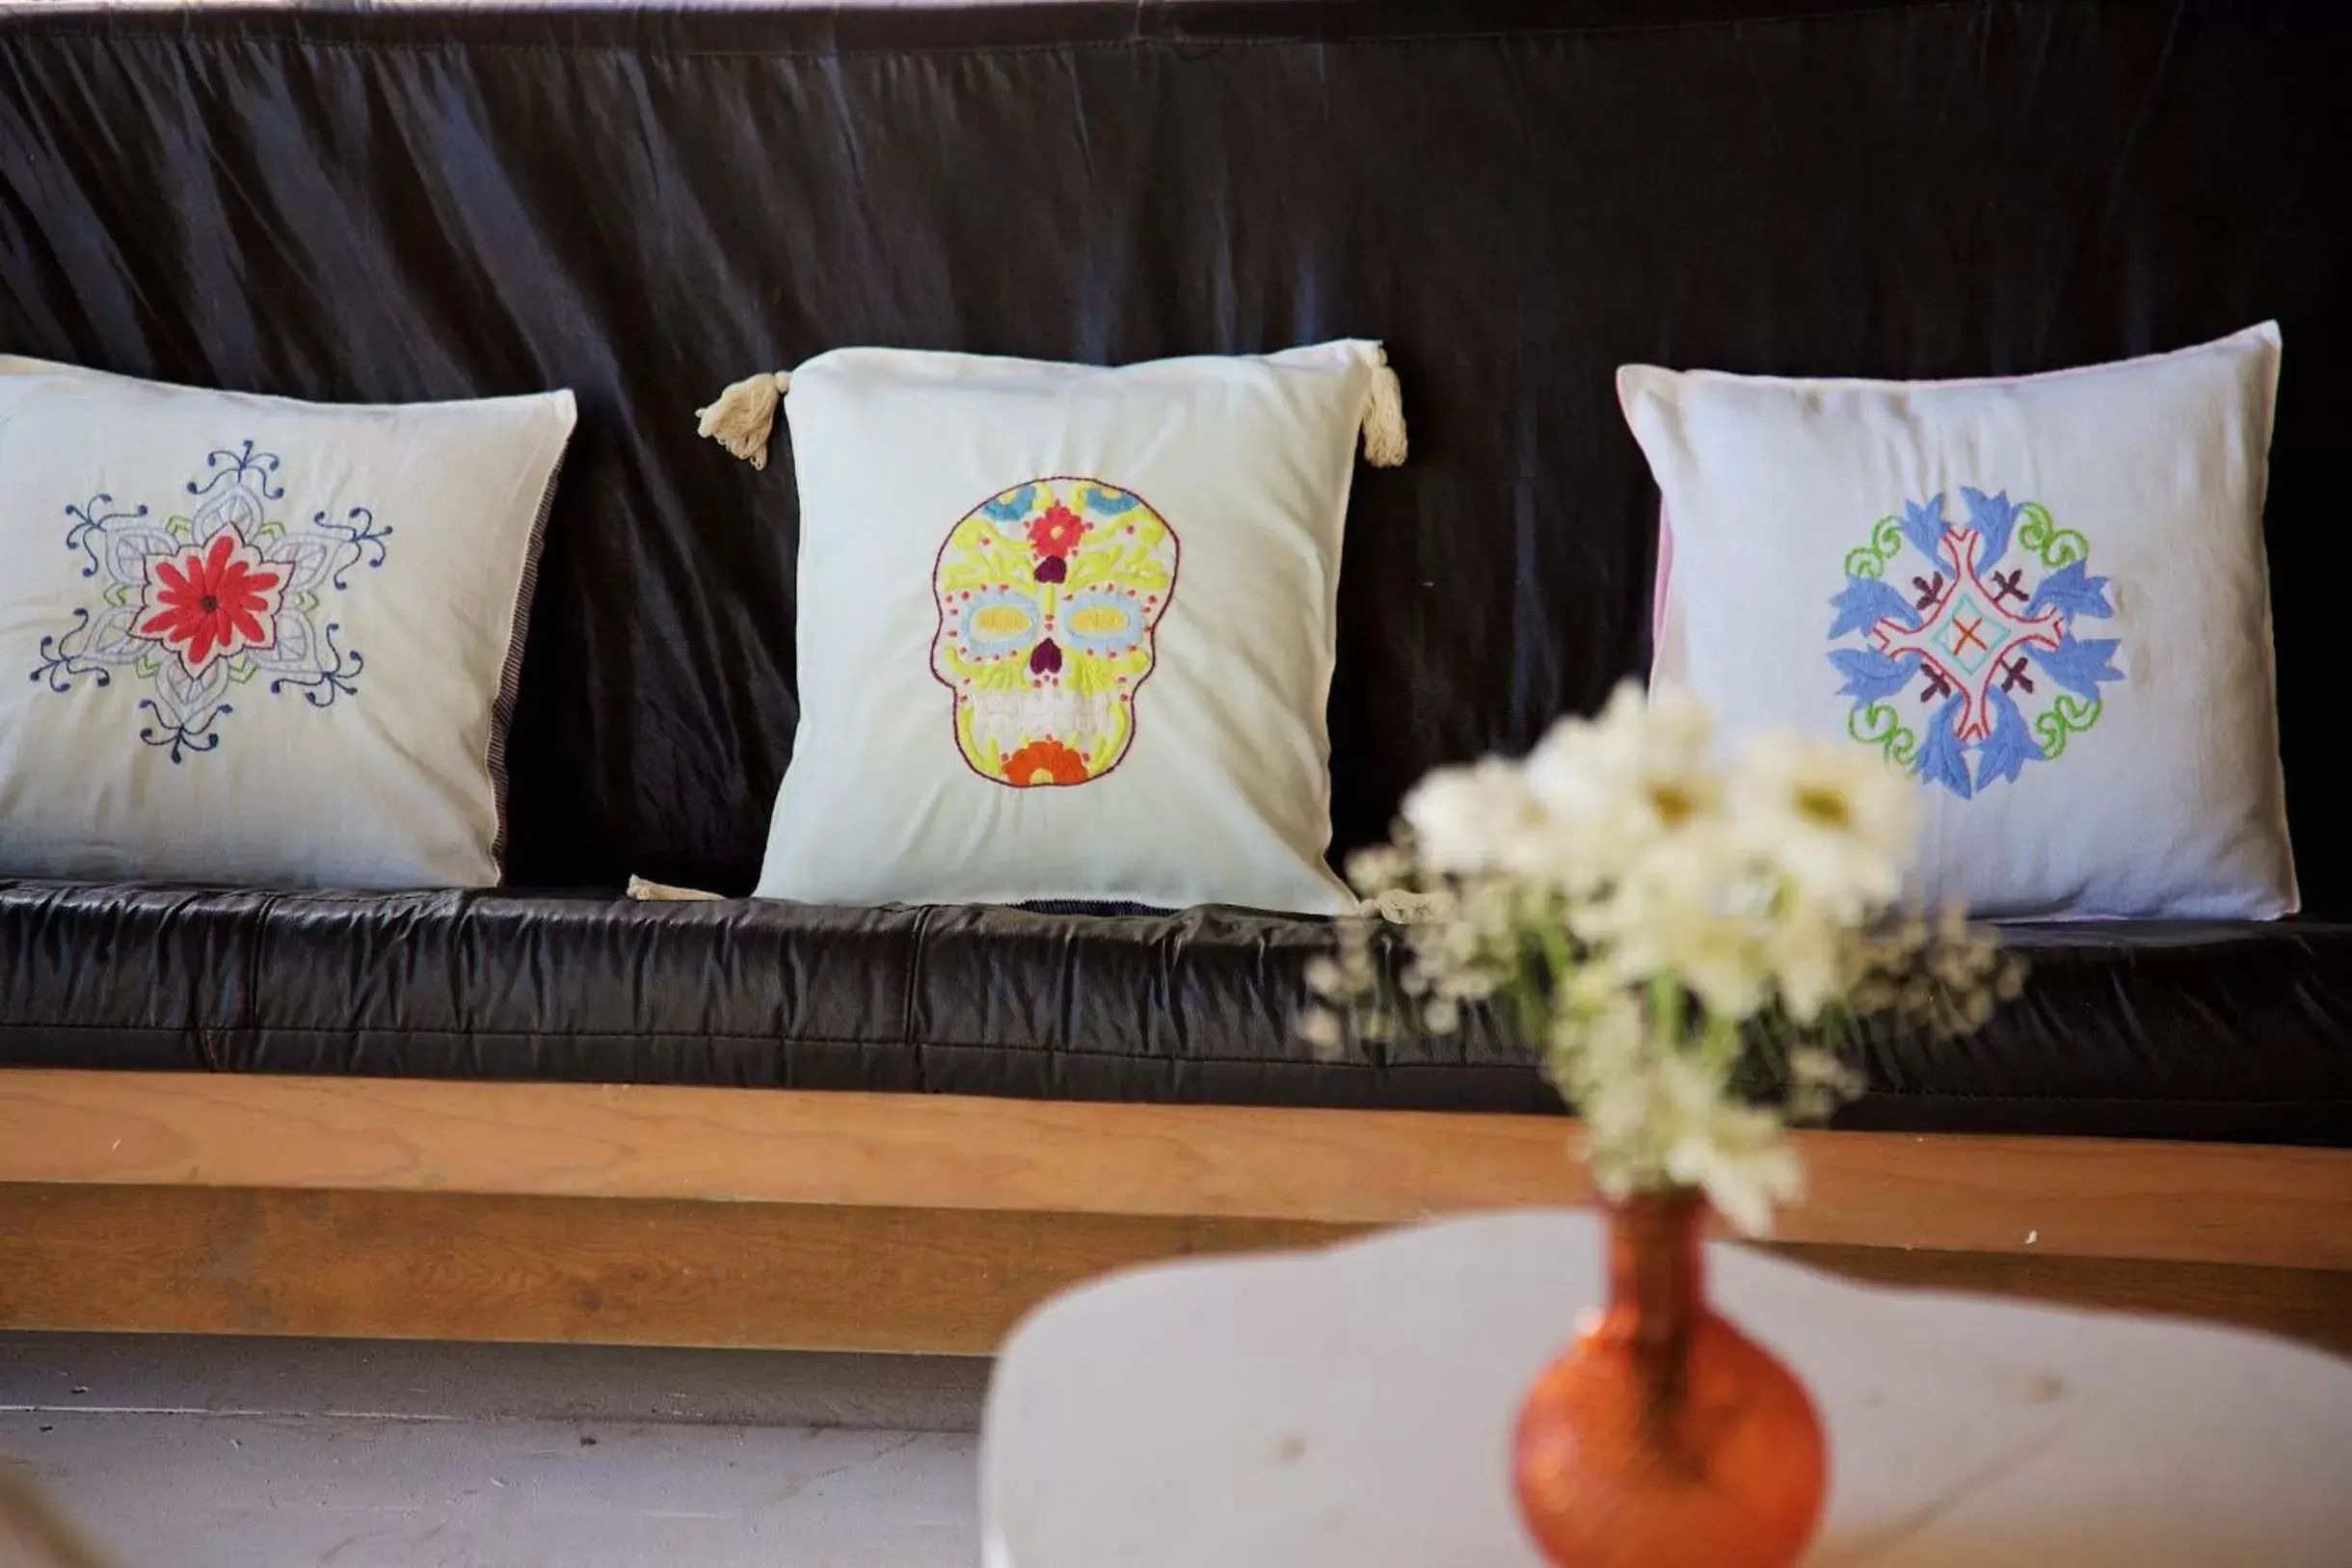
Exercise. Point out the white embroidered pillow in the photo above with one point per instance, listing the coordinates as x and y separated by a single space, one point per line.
1067 633
2047 596
260 641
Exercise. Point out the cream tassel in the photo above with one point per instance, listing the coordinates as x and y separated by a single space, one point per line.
744 413
1383 415
661 893
1398 907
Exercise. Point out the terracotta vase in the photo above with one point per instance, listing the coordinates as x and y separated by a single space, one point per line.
1665 1438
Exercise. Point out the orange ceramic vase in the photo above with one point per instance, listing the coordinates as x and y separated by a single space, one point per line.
1665 1438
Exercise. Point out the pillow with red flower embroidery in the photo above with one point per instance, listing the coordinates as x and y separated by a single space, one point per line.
1066 633
259 640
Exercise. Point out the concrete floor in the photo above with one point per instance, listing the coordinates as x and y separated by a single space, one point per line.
256 1453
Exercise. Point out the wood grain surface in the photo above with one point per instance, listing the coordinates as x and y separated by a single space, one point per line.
681 1272
2312 1305
2077 1197
627 1271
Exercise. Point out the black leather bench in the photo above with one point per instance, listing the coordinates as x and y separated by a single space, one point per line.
2129 1030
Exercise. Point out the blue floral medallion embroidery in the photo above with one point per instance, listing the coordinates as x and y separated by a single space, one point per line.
202 603
1992 654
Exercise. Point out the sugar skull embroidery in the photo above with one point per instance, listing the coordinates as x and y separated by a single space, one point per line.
210 599
1049 597
1992 656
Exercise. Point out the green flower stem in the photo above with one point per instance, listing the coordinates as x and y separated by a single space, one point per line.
1719 1045
1537 995
1666 1005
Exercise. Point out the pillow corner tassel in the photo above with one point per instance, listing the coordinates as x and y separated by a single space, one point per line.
644 891
740 417
1398 907
1383 415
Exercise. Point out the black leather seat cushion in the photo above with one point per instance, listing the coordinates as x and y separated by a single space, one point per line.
2149 1029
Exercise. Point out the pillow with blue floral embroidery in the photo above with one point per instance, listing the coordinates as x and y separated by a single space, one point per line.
258 640
2045 597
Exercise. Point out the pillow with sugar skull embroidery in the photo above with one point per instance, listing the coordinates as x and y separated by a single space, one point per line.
2044 596
1065 632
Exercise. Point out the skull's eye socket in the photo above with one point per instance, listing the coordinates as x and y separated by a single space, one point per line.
1103 622
1000 623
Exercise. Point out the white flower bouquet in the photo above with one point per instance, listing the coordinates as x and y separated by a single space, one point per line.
1690 944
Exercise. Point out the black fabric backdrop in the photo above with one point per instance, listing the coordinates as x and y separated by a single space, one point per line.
418 203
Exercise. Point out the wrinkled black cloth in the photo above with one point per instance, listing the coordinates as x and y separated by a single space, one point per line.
2186 1031
643 205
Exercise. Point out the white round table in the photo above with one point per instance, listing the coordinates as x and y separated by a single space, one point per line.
1353 1407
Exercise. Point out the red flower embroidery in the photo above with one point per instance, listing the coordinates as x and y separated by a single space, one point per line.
1046 762
211 603
1057 532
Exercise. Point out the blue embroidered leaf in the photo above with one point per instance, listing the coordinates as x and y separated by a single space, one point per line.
1941 757
1870 675
113 638
2072 588
2011 745
305 559
1011 508
2079 666
1992 516
1923 525
182 694
128 549
291 647
235 507
210 687
1865 602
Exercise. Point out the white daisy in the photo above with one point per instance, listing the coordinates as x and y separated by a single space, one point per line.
1838 822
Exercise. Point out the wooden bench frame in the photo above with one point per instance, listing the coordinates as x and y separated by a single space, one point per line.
409 1209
